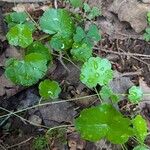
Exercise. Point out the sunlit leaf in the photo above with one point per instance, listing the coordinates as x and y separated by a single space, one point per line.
135 94
96 71
103 121
140 126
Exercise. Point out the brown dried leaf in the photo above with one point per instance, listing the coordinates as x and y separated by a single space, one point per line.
131 11
145 89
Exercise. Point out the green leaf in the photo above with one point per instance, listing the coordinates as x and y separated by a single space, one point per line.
60 43
95 12
81 52
57 21
31 25
49 89
147 34
28 71
140 128
103 121
96 71
135 94
86 8
20 35
106 93
93 33
16 17
76 3
140 147
80 35
38 47
148 14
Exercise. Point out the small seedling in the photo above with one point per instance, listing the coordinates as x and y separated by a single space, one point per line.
40 143
106 94
76 3
147 30
91 12
83 43
96 71
135 94
49 89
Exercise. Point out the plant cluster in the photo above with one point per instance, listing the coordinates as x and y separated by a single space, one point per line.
64 35
147 30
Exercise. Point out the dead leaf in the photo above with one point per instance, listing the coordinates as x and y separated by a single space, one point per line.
57 113
145 89
131 11
25 7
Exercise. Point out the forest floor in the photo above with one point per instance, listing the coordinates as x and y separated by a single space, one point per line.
122 43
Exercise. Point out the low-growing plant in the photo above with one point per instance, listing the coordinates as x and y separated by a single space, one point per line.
63 35
40 143
147 30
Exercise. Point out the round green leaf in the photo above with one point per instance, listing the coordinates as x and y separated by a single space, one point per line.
79 35
106 93
103 121
140 147
49 89
38 47
86 7
28 71
76 3
81 52
57 21
96 71
140 128
20 35
94 33
60 43
16 17
135 94
95 12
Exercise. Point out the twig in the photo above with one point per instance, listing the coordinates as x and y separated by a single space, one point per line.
48 103
57 127
36 24
61 61
3 148
21 143
122 53
128 74
98 95
23 119
69 60
55 4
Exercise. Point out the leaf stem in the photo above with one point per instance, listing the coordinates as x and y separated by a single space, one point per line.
98 95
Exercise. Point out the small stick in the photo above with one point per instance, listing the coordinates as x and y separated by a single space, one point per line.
21 143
